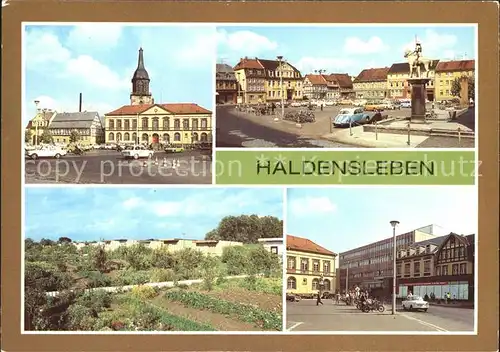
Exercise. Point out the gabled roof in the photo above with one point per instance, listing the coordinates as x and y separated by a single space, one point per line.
343 79
372 75
246 63
274 64
461 239
179 108
305 245
316 79
460 65
83 119
224 72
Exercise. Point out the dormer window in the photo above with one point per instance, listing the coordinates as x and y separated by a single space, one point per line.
408 253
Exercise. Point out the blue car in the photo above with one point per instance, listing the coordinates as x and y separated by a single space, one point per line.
353 116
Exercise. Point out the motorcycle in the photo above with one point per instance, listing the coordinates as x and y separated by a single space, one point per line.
373 305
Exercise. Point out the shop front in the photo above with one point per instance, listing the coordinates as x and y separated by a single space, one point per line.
460 287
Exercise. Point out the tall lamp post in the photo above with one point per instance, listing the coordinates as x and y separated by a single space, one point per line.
36 122
394 223
347 277
280 60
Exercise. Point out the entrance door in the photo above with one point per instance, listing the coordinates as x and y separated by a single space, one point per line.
156 138
289 94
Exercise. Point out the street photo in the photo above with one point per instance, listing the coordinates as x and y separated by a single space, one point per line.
163 260
382 260
111 103
346 86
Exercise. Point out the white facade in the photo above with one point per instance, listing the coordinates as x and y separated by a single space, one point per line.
274 245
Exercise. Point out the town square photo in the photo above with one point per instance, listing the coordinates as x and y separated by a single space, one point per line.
338 86
118 103
145 259
382 259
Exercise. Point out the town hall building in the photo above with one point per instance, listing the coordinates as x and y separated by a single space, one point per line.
146 122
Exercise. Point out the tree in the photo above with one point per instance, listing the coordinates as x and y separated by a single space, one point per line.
100 259
46 242
46 137
246 228
74 136
456 88
28 136
64 240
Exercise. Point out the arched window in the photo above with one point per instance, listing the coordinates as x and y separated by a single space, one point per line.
195 137
315 284
204 137
111 136
327 284
145 137
166 138
126 136
118 137
292 283
177 137
134 137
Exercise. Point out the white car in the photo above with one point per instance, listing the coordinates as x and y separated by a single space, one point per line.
295 104
46 152
136 152
405 104
415 303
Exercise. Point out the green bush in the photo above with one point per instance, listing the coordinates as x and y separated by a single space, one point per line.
264 319
80 317
96 279
97 300
144 292
162 275
131 277
45 277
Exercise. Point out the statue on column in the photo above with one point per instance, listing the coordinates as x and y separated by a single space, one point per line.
416 61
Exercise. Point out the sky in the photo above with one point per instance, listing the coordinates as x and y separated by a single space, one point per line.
99 59
342 49
341 219
87 214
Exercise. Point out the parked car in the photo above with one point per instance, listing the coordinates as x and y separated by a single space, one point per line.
360 102
353 116
291 297
46 152
173 149
377 106
405 104
136 152
415 303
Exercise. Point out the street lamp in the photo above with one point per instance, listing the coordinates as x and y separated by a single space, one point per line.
36 122
394 223
280 59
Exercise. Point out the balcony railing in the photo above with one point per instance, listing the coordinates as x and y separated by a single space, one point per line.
166 129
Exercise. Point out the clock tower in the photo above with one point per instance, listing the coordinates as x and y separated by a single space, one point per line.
140 84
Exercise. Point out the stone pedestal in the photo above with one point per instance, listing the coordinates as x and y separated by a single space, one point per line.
464 91
418 97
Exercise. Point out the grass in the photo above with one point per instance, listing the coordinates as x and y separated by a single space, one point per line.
272 286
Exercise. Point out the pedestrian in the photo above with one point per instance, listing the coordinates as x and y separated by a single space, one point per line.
273 107
448 298
319 301
321 106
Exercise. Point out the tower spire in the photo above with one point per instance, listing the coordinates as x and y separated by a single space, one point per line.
140 61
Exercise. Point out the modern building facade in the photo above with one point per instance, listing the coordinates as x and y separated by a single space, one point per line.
371 266
307 264
251 77
437 266
397 81
226 84
146 122
371 84
447 72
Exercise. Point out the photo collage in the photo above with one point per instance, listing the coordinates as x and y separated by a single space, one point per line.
262 178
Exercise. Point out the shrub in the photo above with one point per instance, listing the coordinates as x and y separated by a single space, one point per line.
210 272
144 292
45 277
81 317
96 300
131 277
162 275
96 279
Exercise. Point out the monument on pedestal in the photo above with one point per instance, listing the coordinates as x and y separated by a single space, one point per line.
464 91
418 82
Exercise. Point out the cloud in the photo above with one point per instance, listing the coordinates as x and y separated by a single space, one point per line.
132 203
330 64
94 36
45 53
355 45
244 42
434 44
47 102
307 206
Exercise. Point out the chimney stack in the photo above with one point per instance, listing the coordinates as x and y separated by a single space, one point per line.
80 105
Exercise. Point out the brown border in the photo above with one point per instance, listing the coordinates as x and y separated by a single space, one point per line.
484 13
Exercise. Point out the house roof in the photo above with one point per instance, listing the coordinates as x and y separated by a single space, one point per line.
462 239
225 72
460 65
372 75
274 64
83 119
246 63
178 108
45 114
343 79
306 245
316 79
404 67
437 241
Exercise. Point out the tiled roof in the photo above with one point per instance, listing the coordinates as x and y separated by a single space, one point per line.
373 75
179 108
462 65
73 119
224 72
404 67
248 63
274 64
436 241
343 79
316 79
306 245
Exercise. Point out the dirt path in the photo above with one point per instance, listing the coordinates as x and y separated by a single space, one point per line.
218 321
264 301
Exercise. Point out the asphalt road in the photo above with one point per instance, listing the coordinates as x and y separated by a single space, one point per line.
306 316
108 167
239 129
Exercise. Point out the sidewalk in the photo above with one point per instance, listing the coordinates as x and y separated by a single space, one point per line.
374 140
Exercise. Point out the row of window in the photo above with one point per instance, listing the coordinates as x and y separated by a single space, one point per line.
456 269
304 264
225 85
132 123
315 284
401 240
81 132
452 253
126 137
276 84
457 290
